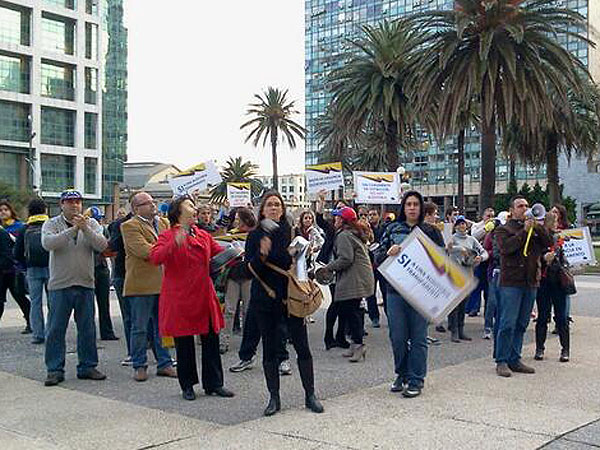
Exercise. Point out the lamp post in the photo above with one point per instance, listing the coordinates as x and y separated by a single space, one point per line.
31 156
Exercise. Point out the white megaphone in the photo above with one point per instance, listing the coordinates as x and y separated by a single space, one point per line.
537 212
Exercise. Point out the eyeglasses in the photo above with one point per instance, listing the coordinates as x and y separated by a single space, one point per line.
273 205
150 202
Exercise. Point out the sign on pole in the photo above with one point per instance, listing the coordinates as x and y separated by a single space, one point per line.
377 187
427 277
195 179
328 177
579 249
239 194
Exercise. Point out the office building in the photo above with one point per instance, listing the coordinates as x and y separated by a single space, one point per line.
292 188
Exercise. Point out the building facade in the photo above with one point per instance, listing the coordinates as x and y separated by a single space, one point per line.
432 168
52 62
292 188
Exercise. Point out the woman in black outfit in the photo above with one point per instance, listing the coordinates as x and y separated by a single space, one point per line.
269 244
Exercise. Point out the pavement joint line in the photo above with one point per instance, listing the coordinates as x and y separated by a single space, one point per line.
498 427
577 441
564 435
171 441
304 438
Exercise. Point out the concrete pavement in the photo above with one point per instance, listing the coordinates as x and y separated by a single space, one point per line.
464 405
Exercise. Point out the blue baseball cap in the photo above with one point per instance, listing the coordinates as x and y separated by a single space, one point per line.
71 194
459 219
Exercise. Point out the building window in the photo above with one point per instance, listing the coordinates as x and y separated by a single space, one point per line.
14 25
91 85
90 172
58 127
14 73
69 4
91 7
283 189
10 166
13 121
291 189
91 41
58 80
91 126
58 34
58 172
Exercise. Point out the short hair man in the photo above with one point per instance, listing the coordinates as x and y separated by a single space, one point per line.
142 284
71 238
519 280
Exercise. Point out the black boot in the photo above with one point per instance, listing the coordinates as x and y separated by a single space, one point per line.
305 367
273 406
565 342
271 369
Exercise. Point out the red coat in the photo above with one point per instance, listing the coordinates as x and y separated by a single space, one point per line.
188 302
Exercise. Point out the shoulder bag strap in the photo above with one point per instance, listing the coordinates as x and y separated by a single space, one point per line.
270 292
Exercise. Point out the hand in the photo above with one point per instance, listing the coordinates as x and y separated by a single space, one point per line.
265 246
449 246
477 260
549 257
80 221
529 223
321 195
394 250
180 237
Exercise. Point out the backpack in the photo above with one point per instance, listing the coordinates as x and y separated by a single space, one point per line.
35 254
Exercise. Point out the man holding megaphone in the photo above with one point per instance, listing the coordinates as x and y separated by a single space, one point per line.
521 241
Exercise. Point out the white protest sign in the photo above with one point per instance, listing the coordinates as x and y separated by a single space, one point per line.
377 187
213 176
447 232
578 247
328 177
427 277
238 194
189 184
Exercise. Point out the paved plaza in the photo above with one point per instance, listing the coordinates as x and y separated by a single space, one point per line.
464 404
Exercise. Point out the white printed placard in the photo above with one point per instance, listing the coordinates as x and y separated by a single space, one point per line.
189 184
427 277
377 187
239 194
324 177
578 246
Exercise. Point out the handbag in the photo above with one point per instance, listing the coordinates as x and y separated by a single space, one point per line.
303 297
567 280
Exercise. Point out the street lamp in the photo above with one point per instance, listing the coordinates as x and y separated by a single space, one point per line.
31 155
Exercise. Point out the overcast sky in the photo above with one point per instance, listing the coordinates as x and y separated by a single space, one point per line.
193 69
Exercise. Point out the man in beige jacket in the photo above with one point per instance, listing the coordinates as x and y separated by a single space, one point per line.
142 284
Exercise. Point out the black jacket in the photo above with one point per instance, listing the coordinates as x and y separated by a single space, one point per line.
116 244
278 256
7 262
329 230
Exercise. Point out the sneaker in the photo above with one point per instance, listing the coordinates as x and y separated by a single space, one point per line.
433 341
502 370
37 341
127 362
92 374
564 356
285 368
519 367
310 319
487 335
223 348
53 379
398 385
243 365
539 355
375 323
411 392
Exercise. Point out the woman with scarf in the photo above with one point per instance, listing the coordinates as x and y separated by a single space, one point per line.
408 329
267 247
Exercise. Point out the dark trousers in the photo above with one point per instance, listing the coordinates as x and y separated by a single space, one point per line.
372 307
353 316
269 324
551 295
187 369
15 283
456 319
102 291
331 316
251 337
125 308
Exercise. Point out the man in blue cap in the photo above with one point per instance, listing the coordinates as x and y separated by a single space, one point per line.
71 238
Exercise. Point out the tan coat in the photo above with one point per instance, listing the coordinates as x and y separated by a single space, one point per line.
141 276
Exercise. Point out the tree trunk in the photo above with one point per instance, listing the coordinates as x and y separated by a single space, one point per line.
461 170
488 164
552 170
274 159
512 170
391 145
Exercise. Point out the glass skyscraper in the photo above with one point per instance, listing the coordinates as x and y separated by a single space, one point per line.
329 25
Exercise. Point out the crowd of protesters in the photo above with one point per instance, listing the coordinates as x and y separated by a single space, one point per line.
187 275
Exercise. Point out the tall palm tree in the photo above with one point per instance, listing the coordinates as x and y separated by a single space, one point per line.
333 136
272 116
506 54
369 91
236 170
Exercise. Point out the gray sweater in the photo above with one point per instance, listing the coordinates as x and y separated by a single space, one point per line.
462 241
71 252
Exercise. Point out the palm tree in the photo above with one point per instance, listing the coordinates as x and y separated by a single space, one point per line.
272 117
333 136
236 171
369 91
504 53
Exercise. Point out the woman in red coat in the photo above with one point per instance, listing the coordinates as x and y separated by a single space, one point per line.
188 304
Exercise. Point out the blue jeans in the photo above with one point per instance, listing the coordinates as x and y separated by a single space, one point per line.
37 281
61 303
144 311
473 304
125 308
492 302
514 312
408 333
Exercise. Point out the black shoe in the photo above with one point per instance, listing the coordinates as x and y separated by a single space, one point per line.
273 406
539 355
220 392
411 392
473 313
464 337
37 341
92 374
313 403
342 344
188 394
53 379
440 329
399 385
330 344
110 337
26 330
564 356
